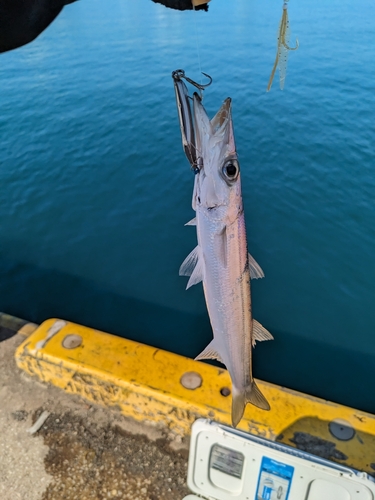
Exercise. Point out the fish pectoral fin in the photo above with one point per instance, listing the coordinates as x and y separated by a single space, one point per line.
189 264
197 275
260 333
251 394
255 270
210 353
193 266
192 222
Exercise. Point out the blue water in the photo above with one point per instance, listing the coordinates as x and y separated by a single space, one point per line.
95 189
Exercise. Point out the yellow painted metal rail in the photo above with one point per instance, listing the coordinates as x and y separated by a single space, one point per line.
162 388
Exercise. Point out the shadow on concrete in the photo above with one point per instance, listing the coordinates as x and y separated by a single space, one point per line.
6 333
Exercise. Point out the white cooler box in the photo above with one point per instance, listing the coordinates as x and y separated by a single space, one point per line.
228 464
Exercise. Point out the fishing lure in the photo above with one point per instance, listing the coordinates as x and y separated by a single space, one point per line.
283 48
185 114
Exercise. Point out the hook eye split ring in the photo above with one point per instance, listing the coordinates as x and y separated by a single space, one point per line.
198 165
180 73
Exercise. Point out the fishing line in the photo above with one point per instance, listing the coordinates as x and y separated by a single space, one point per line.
197 43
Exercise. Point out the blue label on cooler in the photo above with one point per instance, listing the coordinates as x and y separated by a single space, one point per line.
275 479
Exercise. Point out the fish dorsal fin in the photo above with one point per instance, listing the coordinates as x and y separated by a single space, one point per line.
192 222
221 246
210 353
260 333
255 270
193 267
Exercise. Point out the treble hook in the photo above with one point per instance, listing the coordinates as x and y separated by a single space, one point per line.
180 73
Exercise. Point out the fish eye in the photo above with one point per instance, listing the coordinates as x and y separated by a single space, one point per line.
231 169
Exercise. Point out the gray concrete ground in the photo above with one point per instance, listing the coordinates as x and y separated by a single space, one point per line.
82 451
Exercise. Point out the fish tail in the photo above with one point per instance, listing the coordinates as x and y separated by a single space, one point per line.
251 394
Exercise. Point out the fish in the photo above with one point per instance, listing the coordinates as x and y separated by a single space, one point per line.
221 259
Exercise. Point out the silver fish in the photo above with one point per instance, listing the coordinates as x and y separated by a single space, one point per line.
221 259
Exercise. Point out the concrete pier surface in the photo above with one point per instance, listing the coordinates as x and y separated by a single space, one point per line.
82 451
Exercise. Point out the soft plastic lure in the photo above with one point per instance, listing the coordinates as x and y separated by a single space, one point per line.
283 48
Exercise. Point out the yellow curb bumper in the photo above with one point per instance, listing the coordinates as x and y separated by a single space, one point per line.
144 383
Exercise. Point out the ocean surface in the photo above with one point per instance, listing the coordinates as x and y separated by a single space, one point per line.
95 189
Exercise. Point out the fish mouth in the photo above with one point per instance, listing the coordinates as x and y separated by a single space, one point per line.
223 116
218 123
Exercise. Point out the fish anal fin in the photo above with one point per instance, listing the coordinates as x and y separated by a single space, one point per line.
255 270
251 394
260 333
210 352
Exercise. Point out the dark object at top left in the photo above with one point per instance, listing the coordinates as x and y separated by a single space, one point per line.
23 20
183 4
